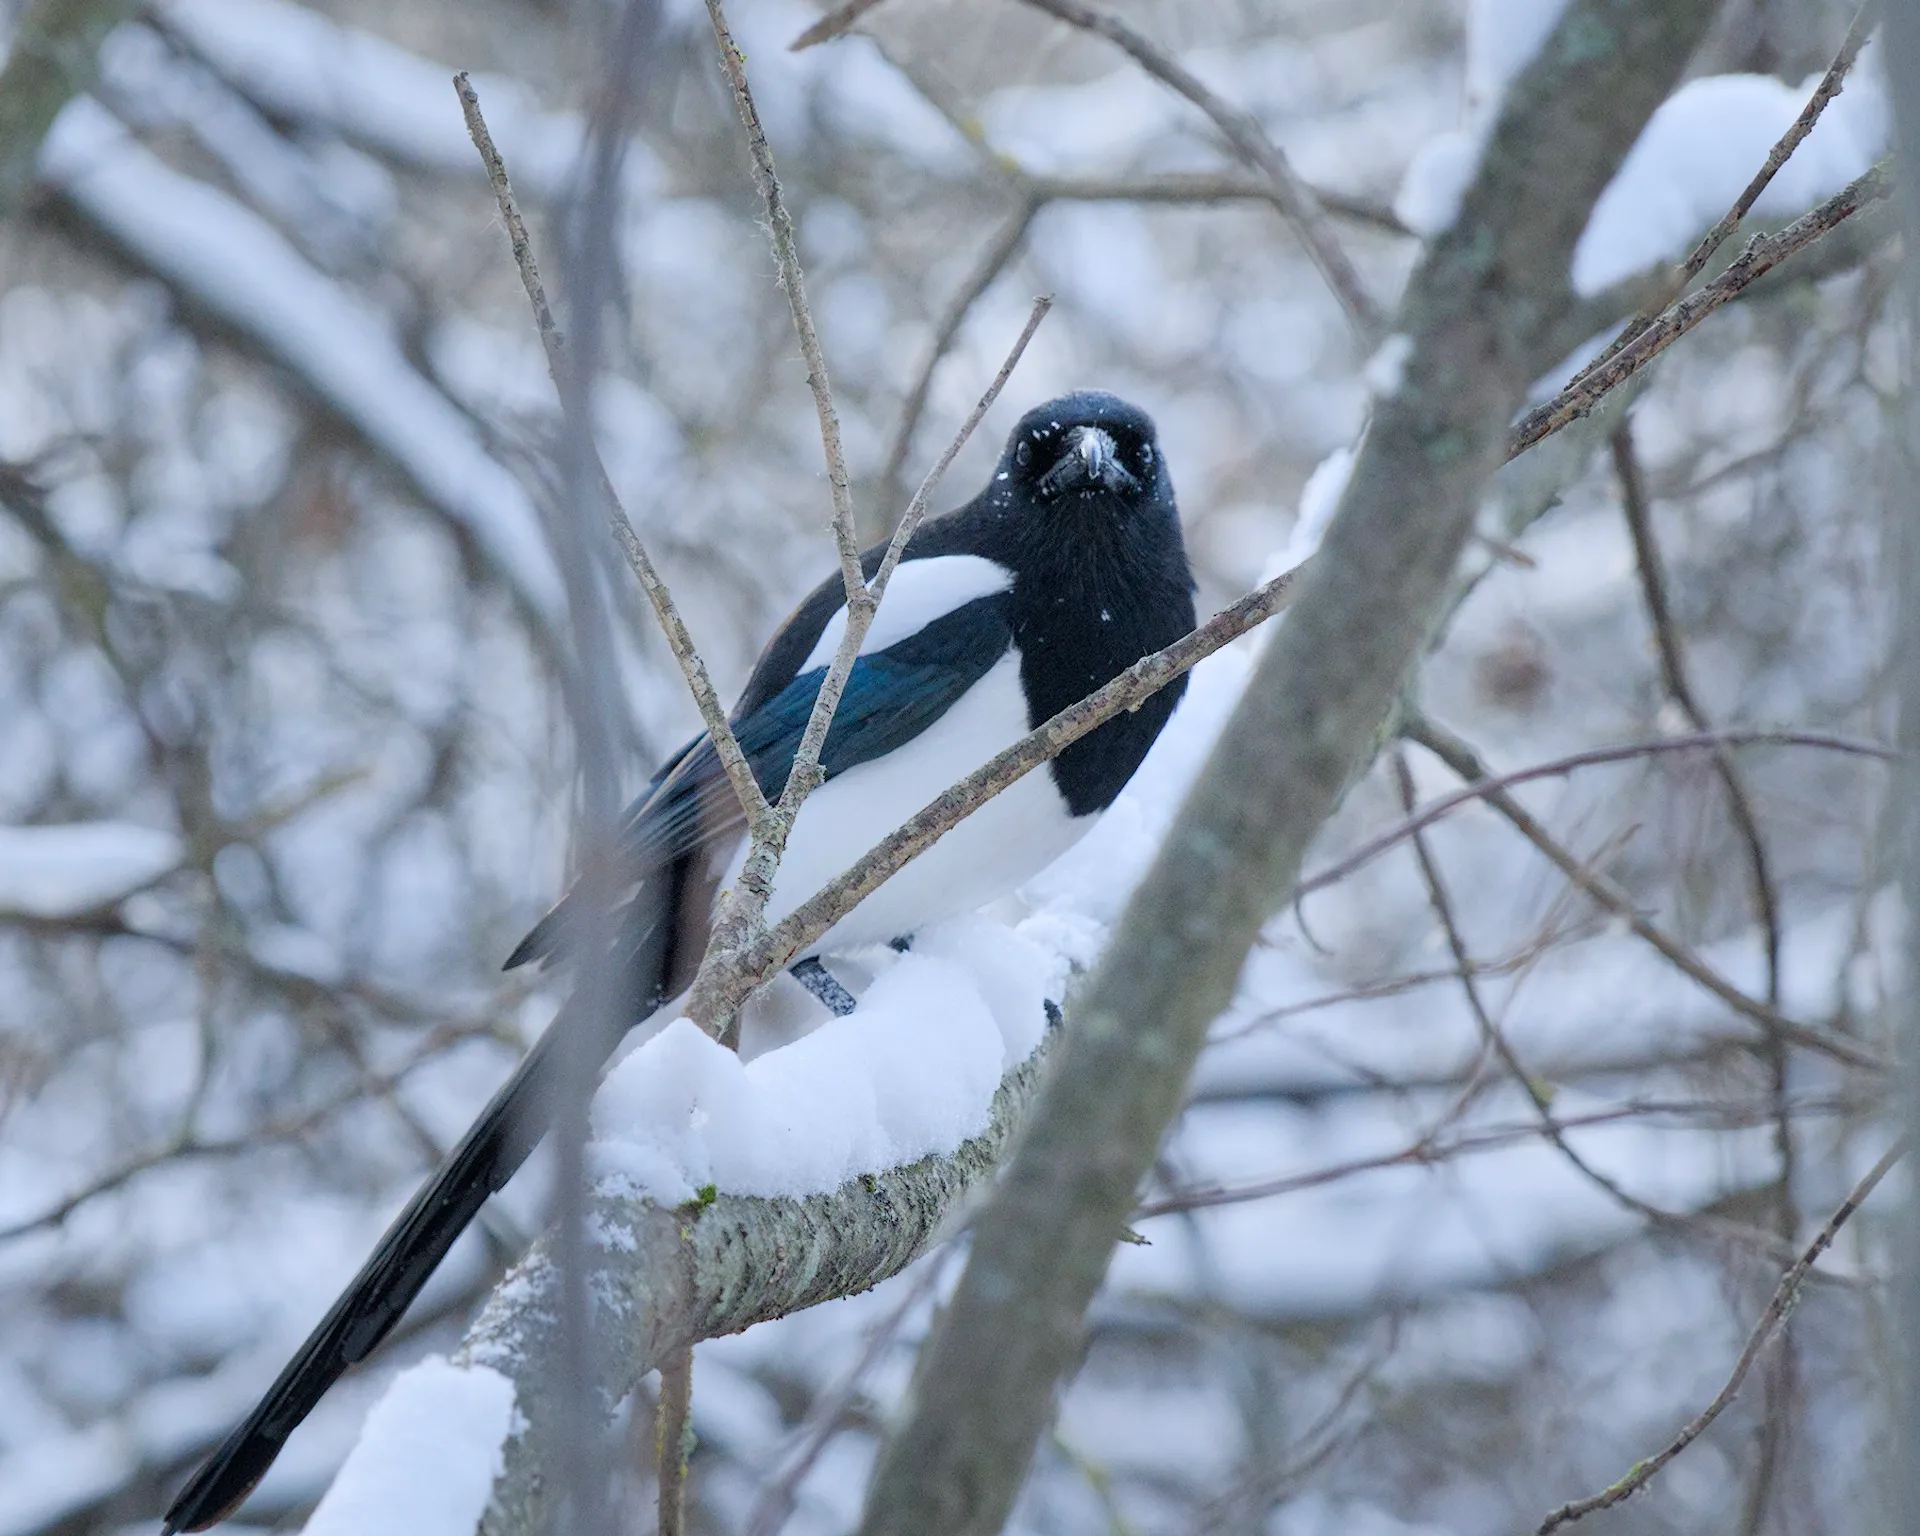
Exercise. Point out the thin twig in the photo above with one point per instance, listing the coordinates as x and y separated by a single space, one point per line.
1560 767
775 1503
1295 200
1828 88
1205 187
713 713
993 260
837 21
1491 1034
1673 675
792 278
1762 255
739 928
1427 1150
1786 1296
1458 755
673 1439
1777 1383
740 917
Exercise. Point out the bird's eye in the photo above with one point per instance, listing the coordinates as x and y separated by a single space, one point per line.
1146 453
1023 455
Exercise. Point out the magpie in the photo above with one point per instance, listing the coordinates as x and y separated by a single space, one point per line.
1065 570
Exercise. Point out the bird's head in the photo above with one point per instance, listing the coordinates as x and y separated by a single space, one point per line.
1090 449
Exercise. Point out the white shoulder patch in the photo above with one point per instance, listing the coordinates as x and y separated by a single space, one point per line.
920 592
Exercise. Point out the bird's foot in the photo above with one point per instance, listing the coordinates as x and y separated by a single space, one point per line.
821 982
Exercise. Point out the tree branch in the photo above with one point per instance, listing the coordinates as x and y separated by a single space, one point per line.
713 714
1762 255
1295 200
665 1279
1479 313
1463 760
1786 1296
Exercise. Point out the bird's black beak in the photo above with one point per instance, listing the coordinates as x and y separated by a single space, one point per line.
1090 459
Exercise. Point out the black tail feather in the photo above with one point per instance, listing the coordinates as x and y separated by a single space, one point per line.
413 1246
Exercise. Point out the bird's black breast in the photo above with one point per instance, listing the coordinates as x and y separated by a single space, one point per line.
1077 629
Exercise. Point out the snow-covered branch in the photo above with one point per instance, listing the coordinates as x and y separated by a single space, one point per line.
664 1277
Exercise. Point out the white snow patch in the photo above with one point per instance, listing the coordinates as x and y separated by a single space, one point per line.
59 871
1503 38
426 1461
910 1073
1437 178
1319 500
1702 147
1696 154
1386 370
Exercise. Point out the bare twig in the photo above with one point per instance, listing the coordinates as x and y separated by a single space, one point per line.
1673 675
835 23
786 255
1205 187
673 1438
740 932
1430 1149
1828 88
1559 767
740 916
1296 201
917 508
772 1508
1786 1296
1490 1032
1762 255
1458 755
1777 1386
992 262
713 713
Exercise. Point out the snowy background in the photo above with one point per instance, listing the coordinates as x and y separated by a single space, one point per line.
284 769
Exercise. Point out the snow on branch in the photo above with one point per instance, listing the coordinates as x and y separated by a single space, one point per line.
229 261
664 1277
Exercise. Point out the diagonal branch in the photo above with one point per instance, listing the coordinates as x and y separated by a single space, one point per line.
1762 255
1673 675
739 922
713 713
1479 316
1463 760
1295 200
1786 1296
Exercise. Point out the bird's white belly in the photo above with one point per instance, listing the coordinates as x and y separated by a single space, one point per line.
998 848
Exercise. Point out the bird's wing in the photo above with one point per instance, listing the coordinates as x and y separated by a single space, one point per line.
892 695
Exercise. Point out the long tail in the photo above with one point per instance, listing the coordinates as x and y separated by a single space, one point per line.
487 1156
